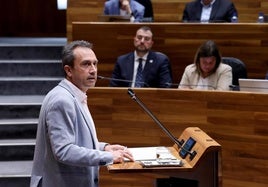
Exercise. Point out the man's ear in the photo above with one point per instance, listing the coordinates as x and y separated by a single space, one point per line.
68 70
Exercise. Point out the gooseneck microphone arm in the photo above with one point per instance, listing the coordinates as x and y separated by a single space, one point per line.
122 80
174 139
135 98
114 79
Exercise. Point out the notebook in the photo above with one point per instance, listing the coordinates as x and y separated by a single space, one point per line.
151 153
253 85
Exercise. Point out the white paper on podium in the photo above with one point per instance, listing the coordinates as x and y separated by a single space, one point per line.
150 153
143 153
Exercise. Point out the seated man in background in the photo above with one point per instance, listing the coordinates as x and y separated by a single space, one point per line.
207 72
125 8
142 67
209 11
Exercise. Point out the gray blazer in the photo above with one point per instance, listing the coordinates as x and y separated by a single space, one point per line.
67 151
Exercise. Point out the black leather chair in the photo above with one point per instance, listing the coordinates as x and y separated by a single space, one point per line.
239 70
149 12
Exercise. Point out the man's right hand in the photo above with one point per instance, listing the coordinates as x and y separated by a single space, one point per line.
119 155
126 6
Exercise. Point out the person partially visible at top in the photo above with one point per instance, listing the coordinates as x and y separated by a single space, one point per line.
125 8
142 67
209 11
149 12
207 72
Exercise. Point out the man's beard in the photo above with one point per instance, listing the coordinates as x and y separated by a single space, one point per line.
142 50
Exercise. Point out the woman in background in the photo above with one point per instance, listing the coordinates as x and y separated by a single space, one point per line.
207 72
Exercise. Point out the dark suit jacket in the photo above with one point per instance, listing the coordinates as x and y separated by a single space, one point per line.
149 12
157 70
222 11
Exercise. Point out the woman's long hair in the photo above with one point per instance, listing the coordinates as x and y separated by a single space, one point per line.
207 49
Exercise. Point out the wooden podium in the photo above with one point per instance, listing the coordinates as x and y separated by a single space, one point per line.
204 168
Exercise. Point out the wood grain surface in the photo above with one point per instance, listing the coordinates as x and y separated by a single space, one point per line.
236 120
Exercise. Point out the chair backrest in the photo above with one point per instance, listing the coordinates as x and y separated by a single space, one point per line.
149 12
239 69
265 16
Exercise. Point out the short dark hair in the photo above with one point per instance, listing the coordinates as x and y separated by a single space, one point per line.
146 28
207 49
68 56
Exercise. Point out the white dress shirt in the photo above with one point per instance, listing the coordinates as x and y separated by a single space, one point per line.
206 11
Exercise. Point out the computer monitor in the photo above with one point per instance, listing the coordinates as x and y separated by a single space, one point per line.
253 85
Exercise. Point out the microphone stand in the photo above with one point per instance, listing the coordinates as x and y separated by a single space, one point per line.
122 80
114 79
175 140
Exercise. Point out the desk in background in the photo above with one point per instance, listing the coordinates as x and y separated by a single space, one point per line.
164 11
248 42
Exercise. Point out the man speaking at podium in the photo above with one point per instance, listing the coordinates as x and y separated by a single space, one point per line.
67 152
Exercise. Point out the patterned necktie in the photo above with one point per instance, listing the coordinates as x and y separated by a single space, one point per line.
139 78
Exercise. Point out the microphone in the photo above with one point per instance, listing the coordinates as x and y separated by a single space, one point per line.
204 21
122 80
171 136
173 85
234 87
188 85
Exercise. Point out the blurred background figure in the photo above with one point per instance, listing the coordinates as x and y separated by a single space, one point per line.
149 12
125 8
209 11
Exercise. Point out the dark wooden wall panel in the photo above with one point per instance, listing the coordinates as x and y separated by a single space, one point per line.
246 41
236 120
32 18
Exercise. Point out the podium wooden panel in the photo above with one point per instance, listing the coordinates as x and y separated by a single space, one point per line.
205 167
236 120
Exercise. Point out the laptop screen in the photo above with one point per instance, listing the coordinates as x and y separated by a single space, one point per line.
253 85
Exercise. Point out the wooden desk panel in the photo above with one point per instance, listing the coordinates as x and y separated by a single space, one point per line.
248 42
164 10
236 120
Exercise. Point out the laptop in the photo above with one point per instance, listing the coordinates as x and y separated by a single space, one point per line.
113 18
253 85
